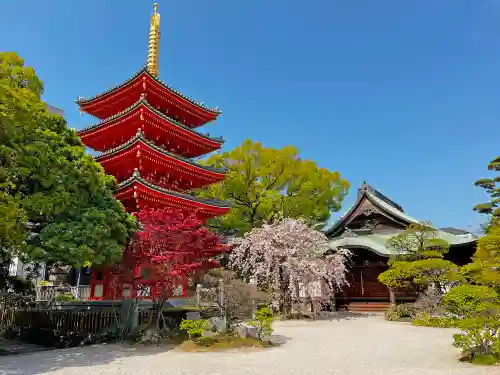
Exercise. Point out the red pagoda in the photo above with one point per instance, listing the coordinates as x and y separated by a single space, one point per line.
147 138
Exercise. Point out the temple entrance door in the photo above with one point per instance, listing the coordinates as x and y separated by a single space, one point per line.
364 283
371 287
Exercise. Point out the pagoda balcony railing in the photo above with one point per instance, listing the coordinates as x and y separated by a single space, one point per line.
49 293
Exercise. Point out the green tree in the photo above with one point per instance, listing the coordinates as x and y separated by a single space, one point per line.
465 301
492 187
485 267
264 183
417 260
479 303
56 203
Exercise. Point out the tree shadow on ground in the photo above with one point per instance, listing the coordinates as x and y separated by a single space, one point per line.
95 355
279 340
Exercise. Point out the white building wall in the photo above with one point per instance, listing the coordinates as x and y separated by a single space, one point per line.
18 268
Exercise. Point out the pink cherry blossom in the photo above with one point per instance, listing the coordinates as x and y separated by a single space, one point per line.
286 258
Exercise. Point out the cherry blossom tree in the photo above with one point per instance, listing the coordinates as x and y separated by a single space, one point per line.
170 247
286 258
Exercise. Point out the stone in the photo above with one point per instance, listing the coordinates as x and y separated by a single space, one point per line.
216 324
193 315
244 330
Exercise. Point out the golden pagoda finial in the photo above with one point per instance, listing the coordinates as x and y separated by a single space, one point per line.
154 42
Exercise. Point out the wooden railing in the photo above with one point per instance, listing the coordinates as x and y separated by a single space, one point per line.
48 293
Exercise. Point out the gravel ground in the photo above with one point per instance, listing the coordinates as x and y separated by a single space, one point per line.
348 345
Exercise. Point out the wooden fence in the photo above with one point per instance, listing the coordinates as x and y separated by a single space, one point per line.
48 293
88 322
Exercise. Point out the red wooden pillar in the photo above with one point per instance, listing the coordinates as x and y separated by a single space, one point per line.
97 285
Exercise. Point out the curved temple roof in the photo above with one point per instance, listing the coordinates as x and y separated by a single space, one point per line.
139 137
143 101
144 70
379 200
378 242
136 177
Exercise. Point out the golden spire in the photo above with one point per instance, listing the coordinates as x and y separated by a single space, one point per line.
154 42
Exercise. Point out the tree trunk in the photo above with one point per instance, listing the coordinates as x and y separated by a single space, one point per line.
159 309
392 297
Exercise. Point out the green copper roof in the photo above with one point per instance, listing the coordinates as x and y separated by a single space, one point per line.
389 208
378 242
452 239
139 137
144 70
136 177
372 242
143 101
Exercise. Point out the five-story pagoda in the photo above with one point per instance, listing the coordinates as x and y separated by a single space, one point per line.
147 138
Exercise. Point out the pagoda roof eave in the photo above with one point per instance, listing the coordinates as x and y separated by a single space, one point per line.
143 101
86 101
139 137
136 178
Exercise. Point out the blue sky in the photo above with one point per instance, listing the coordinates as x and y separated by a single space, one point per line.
403 94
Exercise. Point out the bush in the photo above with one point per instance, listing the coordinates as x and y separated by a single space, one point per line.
425 320
263 322
223 342
194 328
485 360
469 300
480 336
398 312
428 301
64 297
206 341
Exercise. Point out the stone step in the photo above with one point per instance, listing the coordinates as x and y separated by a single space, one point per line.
368 306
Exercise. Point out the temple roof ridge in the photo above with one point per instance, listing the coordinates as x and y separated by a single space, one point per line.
144 70
365 187
143 100
140 137
392 209
136 176
379 200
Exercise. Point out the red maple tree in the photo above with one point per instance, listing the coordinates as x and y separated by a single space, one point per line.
170 247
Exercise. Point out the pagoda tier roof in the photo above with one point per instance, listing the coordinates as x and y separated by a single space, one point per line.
137 193
167 99
121 127
140 153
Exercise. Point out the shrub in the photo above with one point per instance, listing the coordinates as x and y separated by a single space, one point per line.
428 301
480 337
469 300
425 320
206 341
398 312
194 328
64 297
263 322
485 360
223 342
